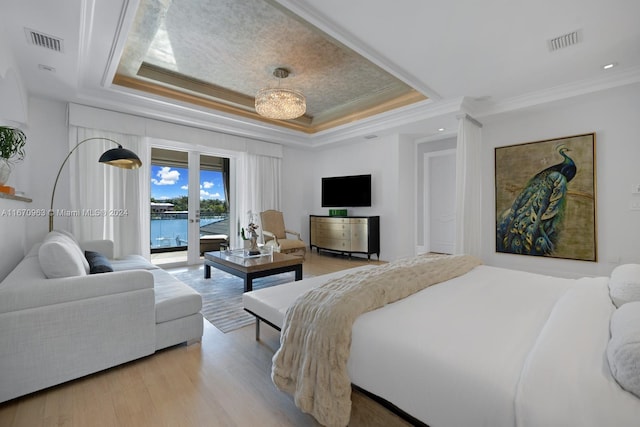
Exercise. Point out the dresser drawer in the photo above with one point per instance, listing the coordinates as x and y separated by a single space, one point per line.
362 221
359 237
333 226
332 220
335 244
333 233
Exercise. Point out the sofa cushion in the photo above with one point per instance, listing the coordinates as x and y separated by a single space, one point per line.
174 299
60 257
98 263
132 262
71 240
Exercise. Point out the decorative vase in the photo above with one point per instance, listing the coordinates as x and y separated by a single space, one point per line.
5 171
253 248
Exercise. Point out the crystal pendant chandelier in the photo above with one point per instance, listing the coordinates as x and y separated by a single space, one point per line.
280 103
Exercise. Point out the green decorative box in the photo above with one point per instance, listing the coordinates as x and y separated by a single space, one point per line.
337 212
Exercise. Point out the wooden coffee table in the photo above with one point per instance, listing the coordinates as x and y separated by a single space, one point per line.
252 268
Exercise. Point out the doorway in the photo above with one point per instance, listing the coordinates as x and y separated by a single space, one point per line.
189 200
439 201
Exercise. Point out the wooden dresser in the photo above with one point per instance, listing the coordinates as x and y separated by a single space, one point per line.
345 234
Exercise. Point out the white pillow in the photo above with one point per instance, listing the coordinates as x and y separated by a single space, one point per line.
624 284
59 257
623 350
68 234
70 238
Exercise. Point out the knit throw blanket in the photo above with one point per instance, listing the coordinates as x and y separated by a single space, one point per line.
311 363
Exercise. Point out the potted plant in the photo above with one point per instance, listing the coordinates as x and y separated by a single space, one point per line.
12 141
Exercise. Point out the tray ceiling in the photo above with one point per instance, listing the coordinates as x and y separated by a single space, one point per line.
219 53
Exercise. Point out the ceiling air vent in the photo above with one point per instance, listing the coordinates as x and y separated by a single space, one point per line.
43 40
563 41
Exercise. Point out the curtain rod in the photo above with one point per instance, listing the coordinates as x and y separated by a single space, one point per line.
468 117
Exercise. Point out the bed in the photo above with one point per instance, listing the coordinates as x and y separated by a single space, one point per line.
495 347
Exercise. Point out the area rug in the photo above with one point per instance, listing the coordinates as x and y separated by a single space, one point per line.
222 295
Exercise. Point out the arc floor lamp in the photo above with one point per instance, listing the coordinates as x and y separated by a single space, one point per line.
120 157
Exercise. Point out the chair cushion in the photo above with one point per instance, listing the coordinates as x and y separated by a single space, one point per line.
291 244
273 221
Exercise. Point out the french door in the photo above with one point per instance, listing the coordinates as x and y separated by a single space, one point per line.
189 200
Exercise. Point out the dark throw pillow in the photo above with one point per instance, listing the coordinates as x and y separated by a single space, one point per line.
98 263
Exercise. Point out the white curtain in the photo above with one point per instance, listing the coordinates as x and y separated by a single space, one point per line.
260 186
113 203
468 187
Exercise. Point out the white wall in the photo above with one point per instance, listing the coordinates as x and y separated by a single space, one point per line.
13 96
46 148
13 112
614 116
298 193
389 160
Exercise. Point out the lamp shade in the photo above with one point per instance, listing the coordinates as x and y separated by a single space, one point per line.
121 157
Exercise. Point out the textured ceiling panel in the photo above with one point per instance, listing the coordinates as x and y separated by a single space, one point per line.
224 51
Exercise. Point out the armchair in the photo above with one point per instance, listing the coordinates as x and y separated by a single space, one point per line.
275 234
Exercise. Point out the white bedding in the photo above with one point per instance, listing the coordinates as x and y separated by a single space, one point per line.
495 347
566 380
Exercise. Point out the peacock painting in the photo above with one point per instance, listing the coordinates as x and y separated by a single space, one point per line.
542 219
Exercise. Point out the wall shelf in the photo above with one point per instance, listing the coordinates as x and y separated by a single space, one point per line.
12 197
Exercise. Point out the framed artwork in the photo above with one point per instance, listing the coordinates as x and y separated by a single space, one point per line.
546 198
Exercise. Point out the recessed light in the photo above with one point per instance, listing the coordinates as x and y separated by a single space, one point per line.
440 129
609 66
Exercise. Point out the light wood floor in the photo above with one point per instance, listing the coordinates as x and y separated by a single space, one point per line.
222 381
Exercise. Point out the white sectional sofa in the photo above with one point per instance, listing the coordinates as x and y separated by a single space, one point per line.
58 322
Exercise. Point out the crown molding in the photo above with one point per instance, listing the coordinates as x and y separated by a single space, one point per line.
391 121
554 94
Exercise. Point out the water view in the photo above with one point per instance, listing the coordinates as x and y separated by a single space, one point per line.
170 204
168 233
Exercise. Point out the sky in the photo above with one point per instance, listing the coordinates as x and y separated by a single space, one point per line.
169 182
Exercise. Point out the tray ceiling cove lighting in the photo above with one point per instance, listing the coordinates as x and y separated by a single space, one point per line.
280 103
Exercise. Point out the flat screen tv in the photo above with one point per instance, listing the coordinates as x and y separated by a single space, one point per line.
346 191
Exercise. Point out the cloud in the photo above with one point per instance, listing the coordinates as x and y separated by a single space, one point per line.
184 187
167 176
206 185
206 195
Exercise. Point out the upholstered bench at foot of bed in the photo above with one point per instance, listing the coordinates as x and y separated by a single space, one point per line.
269 305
